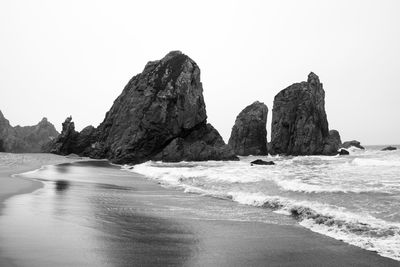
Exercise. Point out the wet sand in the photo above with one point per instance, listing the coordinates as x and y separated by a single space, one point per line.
136 222
18 163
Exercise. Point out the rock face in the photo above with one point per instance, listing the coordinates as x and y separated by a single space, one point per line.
6 133
26 139
354 143
332 143
343 152
159 115
299 122
249 134
66 141
203 143
389 148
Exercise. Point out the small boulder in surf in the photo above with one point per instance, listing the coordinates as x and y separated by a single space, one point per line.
261 162
389 148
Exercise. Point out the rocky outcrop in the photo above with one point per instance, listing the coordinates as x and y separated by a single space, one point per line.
261 162
299 122
203 143
73 142
332 143
7 134
2 149
353 143
160 115
86 140
389 148
249 134
25 139
66 142
343 152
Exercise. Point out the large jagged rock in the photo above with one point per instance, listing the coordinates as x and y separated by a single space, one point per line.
160 114
249 134
299 123
25 139
66 142
73 142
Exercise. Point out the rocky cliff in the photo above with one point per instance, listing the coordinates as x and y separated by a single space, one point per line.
159 115
25 139
299 122
249 134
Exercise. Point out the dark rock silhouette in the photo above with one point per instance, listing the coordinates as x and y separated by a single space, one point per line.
203 143
389 148
343 152
261 162
160 114
25 139
86 138
249 134
354 143
299 122
2 149
66 142
332 143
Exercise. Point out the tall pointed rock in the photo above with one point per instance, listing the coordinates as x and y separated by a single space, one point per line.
299 122
249 134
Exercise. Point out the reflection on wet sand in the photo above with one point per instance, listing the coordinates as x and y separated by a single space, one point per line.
61 185
75 223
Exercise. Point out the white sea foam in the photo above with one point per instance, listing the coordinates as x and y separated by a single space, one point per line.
360 230
310 188
376 162
297 185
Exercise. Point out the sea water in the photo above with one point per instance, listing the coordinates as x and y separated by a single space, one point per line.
353 198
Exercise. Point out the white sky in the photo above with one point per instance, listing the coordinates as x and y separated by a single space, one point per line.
60 58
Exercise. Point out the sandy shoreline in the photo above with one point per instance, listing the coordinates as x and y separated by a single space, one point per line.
19 163
208 242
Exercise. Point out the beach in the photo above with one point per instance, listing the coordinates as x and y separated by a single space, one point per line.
11 164
108 217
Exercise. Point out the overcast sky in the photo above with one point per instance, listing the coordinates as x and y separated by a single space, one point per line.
61 58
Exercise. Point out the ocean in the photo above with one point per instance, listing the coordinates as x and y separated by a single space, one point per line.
353 198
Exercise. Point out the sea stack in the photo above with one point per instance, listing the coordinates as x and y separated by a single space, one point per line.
299 122
159 115
249 134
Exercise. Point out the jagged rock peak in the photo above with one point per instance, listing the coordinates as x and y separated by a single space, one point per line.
44 120
68 124
158 108
313 78
249 133
299 121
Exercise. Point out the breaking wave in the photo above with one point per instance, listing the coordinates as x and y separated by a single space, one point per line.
319 192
